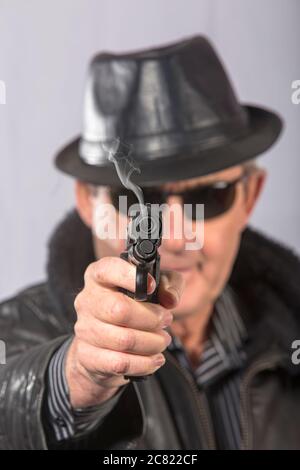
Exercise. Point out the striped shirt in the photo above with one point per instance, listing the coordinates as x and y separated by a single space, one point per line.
217 374
219 367
68 422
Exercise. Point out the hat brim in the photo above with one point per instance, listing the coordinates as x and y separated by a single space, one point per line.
264 129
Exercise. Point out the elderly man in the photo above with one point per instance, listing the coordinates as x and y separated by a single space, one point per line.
215 350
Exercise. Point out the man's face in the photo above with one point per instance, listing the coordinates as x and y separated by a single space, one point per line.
205 270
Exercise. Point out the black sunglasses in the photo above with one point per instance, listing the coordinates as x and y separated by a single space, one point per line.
217 197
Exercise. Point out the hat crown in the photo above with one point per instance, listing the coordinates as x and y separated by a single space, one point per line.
159 99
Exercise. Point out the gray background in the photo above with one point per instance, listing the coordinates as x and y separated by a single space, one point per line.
45 47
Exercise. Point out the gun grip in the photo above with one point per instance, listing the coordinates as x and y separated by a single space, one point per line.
141 284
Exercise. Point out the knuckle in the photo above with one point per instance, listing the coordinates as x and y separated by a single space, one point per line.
120 365
88 271
127 341
101 267
78 303
82 304
77 329
120 311
82 328
81 351
99 273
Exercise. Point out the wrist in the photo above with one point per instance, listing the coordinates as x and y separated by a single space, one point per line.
84 390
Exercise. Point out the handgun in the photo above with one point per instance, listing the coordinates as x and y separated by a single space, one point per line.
144 234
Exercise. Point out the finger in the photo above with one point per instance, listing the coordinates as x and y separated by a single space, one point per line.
116 338
170 288
107 362
112 272
118 309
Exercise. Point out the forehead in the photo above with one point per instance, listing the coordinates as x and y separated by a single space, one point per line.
223 175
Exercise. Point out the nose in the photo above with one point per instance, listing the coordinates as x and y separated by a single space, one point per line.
173 233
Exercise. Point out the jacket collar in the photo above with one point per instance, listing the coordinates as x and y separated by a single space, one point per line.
265 276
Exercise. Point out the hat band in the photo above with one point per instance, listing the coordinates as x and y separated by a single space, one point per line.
151 147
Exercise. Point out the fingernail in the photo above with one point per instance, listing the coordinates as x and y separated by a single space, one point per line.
151 284
159 360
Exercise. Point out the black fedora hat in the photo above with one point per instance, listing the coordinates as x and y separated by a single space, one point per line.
177 109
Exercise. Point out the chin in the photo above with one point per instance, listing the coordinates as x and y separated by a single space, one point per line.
187 306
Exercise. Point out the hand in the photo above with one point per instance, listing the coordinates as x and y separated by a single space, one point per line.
116 335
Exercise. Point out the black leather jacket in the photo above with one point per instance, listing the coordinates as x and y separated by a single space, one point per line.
165 412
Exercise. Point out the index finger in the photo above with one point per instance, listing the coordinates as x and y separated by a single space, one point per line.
112 272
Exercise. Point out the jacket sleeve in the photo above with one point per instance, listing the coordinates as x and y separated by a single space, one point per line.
68 422
31 336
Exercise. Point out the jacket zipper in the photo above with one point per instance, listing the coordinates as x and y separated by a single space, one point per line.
201 402
267 363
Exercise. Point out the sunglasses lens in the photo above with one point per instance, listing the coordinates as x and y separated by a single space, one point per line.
216 201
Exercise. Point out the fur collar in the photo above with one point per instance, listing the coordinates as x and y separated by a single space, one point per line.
265 276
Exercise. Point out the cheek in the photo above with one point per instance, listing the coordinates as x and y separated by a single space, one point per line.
217 239
222 234
108 247
221 243
109 233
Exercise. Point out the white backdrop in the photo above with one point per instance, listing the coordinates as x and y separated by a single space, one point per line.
45 47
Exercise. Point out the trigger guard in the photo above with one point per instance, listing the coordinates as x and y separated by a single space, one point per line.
141 283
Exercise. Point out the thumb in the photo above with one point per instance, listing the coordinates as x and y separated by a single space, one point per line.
170 288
